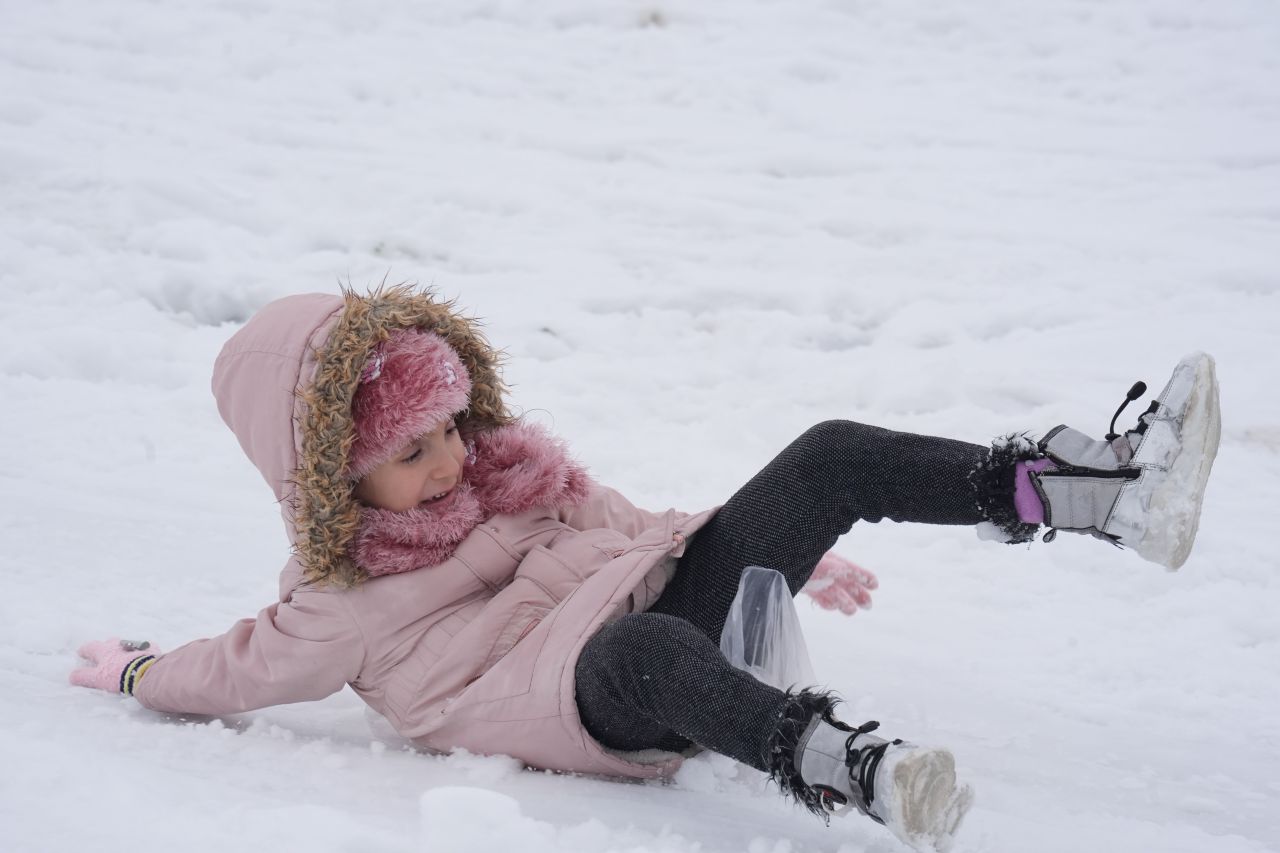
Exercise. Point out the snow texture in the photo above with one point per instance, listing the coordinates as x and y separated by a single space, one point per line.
697 228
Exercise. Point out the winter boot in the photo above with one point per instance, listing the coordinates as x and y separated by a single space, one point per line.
912 790
1142 489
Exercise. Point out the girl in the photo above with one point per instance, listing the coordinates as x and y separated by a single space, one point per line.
474 586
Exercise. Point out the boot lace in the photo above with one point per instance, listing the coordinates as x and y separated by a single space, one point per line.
1139 388
863 763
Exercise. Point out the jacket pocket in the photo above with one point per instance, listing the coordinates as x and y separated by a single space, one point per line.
559 572
527 603
544 578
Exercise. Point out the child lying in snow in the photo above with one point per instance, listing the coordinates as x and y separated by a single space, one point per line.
473 585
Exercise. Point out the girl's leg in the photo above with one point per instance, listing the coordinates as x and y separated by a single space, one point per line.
836 473
650 680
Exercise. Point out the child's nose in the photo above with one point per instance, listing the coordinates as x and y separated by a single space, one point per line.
446 467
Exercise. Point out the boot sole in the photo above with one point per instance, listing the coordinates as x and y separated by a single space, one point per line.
928 803
1173 515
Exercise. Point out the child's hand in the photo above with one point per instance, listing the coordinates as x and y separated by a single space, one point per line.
837 584
114 665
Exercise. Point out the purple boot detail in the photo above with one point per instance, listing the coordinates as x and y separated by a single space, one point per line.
1025 499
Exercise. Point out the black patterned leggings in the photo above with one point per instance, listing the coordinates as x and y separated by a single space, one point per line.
658 679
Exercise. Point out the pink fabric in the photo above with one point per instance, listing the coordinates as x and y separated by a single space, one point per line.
476 652
1025 498
839 584
107 660
412 383
256 375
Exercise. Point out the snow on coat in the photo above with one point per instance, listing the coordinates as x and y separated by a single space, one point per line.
477 651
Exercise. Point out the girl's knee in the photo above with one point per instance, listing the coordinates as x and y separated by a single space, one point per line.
833 433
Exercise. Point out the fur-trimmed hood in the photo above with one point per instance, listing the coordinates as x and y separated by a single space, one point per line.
285 382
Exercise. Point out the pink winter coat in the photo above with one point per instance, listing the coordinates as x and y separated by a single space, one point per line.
476 652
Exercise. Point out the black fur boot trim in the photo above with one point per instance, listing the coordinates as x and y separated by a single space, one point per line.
994 482
798 711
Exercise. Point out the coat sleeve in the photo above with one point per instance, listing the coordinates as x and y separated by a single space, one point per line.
304 648
606 508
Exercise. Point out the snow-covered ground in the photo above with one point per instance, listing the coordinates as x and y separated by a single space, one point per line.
697 228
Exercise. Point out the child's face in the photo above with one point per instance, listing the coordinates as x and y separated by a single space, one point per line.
426 472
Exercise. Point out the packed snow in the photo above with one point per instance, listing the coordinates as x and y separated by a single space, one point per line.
697 228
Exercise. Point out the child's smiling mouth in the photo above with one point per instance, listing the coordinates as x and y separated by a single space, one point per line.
443 496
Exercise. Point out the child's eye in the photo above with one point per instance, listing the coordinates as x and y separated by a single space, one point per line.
412 457
451 429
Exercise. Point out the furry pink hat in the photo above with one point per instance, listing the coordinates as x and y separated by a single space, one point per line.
411 382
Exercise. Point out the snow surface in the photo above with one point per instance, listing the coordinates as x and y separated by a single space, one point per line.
697 228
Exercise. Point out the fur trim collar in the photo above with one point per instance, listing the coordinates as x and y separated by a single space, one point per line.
517 468
325 514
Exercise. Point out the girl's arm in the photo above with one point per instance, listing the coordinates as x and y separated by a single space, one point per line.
304 648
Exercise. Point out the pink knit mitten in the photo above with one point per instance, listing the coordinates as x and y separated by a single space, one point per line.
838 584
114 665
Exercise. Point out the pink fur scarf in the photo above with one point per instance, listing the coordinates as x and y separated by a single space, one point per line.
516 468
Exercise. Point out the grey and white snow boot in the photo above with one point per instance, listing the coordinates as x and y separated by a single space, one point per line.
912 790
1142 489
